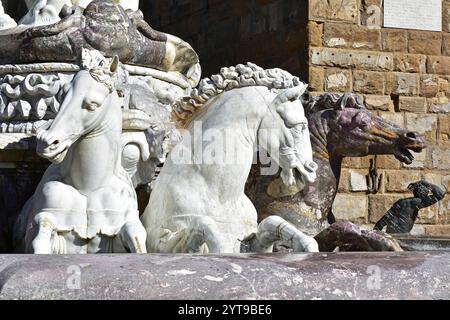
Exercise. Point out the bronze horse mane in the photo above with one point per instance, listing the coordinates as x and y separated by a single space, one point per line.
332 100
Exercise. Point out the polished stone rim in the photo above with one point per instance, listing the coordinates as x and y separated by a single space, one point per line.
342 276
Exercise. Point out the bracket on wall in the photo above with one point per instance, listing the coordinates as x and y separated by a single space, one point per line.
374 180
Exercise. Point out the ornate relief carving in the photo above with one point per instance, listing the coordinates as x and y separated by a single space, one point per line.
33 97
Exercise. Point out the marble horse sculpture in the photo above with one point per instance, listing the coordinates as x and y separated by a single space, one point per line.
198 204
340 127
85 202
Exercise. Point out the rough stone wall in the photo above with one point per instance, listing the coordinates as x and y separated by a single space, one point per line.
270 33
404 76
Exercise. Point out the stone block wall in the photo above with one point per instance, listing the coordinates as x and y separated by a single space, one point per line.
403 75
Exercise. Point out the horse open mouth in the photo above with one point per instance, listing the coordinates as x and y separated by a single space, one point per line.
60 157
410 141
404 155
55 154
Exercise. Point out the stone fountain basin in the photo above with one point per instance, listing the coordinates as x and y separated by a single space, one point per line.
341 276
424 243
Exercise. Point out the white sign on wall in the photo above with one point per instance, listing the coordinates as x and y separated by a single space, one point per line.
413 14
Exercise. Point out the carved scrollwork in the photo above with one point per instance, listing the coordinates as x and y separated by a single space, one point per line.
31 98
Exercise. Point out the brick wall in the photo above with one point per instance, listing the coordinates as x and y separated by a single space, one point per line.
404 76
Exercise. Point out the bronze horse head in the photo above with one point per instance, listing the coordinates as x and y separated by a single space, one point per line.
340 126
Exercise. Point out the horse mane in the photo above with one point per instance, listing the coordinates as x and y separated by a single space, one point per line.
333 100
98 67
229 78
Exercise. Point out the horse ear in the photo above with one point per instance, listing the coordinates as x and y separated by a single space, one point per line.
290 95
114 64
349 100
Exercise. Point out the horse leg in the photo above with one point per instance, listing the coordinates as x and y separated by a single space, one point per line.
274 229
46 224
134 236
204 231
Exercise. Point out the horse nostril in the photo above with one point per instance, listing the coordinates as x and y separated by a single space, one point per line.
54 145
412 135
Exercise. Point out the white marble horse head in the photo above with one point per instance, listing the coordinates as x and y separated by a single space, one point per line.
282 126
88 99
284 134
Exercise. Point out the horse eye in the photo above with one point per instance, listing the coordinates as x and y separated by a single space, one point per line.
364 123
91 106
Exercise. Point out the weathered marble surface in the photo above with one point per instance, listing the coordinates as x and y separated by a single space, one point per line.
28 100
126 4
104 26
348 237
421 275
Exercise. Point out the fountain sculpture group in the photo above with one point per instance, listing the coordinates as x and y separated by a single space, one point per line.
109 100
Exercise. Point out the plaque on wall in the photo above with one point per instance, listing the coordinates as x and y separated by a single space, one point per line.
413 14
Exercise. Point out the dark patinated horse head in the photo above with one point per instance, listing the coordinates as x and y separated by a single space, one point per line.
343 127
340 126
